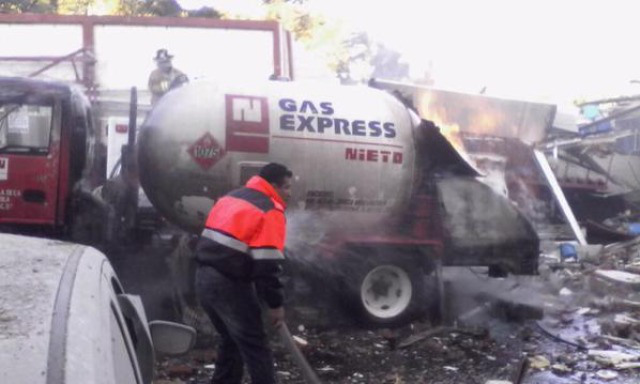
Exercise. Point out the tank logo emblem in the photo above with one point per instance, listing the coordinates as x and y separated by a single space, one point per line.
206 151
4 168
247 120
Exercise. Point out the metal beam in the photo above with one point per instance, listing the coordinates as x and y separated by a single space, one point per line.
56 62
620 99
190 22
541 159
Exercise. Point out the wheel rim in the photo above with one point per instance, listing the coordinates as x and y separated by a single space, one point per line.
386 291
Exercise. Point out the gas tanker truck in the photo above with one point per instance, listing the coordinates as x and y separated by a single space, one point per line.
381 200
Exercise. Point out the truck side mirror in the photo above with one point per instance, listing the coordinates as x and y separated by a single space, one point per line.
172 338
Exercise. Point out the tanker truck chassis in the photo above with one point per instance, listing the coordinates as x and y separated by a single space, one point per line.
380 198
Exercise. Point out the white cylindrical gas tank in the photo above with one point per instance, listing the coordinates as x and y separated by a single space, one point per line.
349 147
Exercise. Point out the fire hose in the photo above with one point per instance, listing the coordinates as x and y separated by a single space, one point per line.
307 372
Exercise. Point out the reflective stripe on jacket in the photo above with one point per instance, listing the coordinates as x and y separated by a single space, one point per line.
249 220
244 237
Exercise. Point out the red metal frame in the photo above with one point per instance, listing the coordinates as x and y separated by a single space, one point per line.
290 53
281 47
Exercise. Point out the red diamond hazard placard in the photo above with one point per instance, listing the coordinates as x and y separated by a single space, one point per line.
206 151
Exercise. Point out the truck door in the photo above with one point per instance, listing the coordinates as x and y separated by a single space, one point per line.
30 151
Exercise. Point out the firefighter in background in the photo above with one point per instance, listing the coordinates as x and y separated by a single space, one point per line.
165 77
239 256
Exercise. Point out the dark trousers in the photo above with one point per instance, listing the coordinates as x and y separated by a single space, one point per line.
234 309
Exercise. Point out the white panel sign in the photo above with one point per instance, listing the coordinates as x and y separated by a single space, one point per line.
39 40
19 121
198 52
118 135
4 168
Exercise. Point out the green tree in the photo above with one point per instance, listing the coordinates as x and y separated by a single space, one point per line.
352 55
169 8
24 6
165 8
206 12
315 32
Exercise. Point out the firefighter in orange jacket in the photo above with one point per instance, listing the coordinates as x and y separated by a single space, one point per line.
239 255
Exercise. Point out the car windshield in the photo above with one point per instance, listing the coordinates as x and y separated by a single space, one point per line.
25 127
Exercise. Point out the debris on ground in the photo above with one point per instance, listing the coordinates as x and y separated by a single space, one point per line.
606 374
539 362
582 325
498 382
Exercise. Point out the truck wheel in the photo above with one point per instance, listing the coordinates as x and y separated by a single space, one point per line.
386 291
392 294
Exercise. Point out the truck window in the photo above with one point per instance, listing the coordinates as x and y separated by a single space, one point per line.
25 128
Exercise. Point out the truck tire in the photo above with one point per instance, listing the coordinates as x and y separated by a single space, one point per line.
389 292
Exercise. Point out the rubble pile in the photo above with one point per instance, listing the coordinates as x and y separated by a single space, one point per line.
597 322
584 327
353 356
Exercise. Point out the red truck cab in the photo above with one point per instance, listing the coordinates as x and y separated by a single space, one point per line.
47 153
